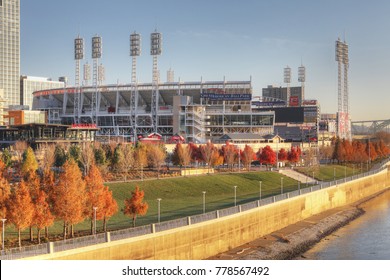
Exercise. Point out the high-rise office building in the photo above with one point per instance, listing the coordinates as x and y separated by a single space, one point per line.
10 51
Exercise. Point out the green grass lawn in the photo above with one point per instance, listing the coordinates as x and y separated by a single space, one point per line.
182 197
331 171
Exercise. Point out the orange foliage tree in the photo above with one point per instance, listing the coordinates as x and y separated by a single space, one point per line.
267 155
43 217
247 156
230 154
110 207
5 192
134 205
20 208
70 196
95 194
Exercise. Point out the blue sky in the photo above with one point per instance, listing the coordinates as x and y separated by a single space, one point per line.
237 39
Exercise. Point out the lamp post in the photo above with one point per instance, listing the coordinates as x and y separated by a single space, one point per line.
260 189
235 195
281 185
158 209
299 184
94 220
3 220
204 202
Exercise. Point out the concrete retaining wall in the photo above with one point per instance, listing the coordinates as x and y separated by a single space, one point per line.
207 239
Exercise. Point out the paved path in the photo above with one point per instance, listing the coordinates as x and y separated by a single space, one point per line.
297 176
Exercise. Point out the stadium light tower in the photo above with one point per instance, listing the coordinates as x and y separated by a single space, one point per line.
287 80
155 51
87 74
302 80
343 122
135 50
78 55
96 55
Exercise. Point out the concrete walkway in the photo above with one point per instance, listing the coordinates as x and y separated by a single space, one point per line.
297 176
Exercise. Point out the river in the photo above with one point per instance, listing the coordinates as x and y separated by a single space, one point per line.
366 238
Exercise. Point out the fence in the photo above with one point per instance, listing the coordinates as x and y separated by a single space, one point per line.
58 246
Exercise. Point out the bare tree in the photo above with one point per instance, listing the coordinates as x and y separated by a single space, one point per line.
156 157
87 157
46 156
19 147
126 159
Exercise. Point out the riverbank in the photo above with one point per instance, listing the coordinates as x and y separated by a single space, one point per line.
292 241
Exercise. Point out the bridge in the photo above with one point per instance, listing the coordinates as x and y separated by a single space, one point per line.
370 127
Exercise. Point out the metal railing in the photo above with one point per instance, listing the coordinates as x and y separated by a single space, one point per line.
58 246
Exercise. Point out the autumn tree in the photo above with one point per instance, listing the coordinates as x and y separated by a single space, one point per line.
370 151
230 154
135 206
156 157
293 155
48 186
110 207
141 158
19 148
181 155
6 157
29 162
20 208
34 184
95 195
282 155
87 157
42 218
70 197
126 161
267 156
47 156
5 192
208 153
196 154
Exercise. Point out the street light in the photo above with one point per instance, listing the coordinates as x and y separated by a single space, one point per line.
158 209
260 189
281 184
235 195
3 220
299 184
94 220
204 202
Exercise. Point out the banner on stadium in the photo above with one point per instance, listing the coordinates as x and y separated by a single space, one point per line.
227 96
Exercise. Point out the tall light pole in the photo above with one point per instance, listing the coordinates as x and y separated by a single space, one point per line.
235 195
158 209
281 184
299 184
3 220
204 202
94 220
260 189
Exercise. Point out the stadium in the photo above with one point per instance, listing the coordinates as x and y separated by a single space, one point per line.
197 111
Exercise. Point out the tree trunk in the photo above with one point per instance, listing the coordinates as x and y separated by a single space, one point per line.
31 234
39 236
134 217
64 231
47 232
19 238
72 230
105 224
91 226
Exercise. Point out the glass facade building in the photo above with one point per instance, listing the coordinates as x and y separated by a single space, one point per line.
10 51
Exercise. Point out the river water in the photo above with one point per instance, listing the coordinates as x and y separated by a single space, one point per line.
366 238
